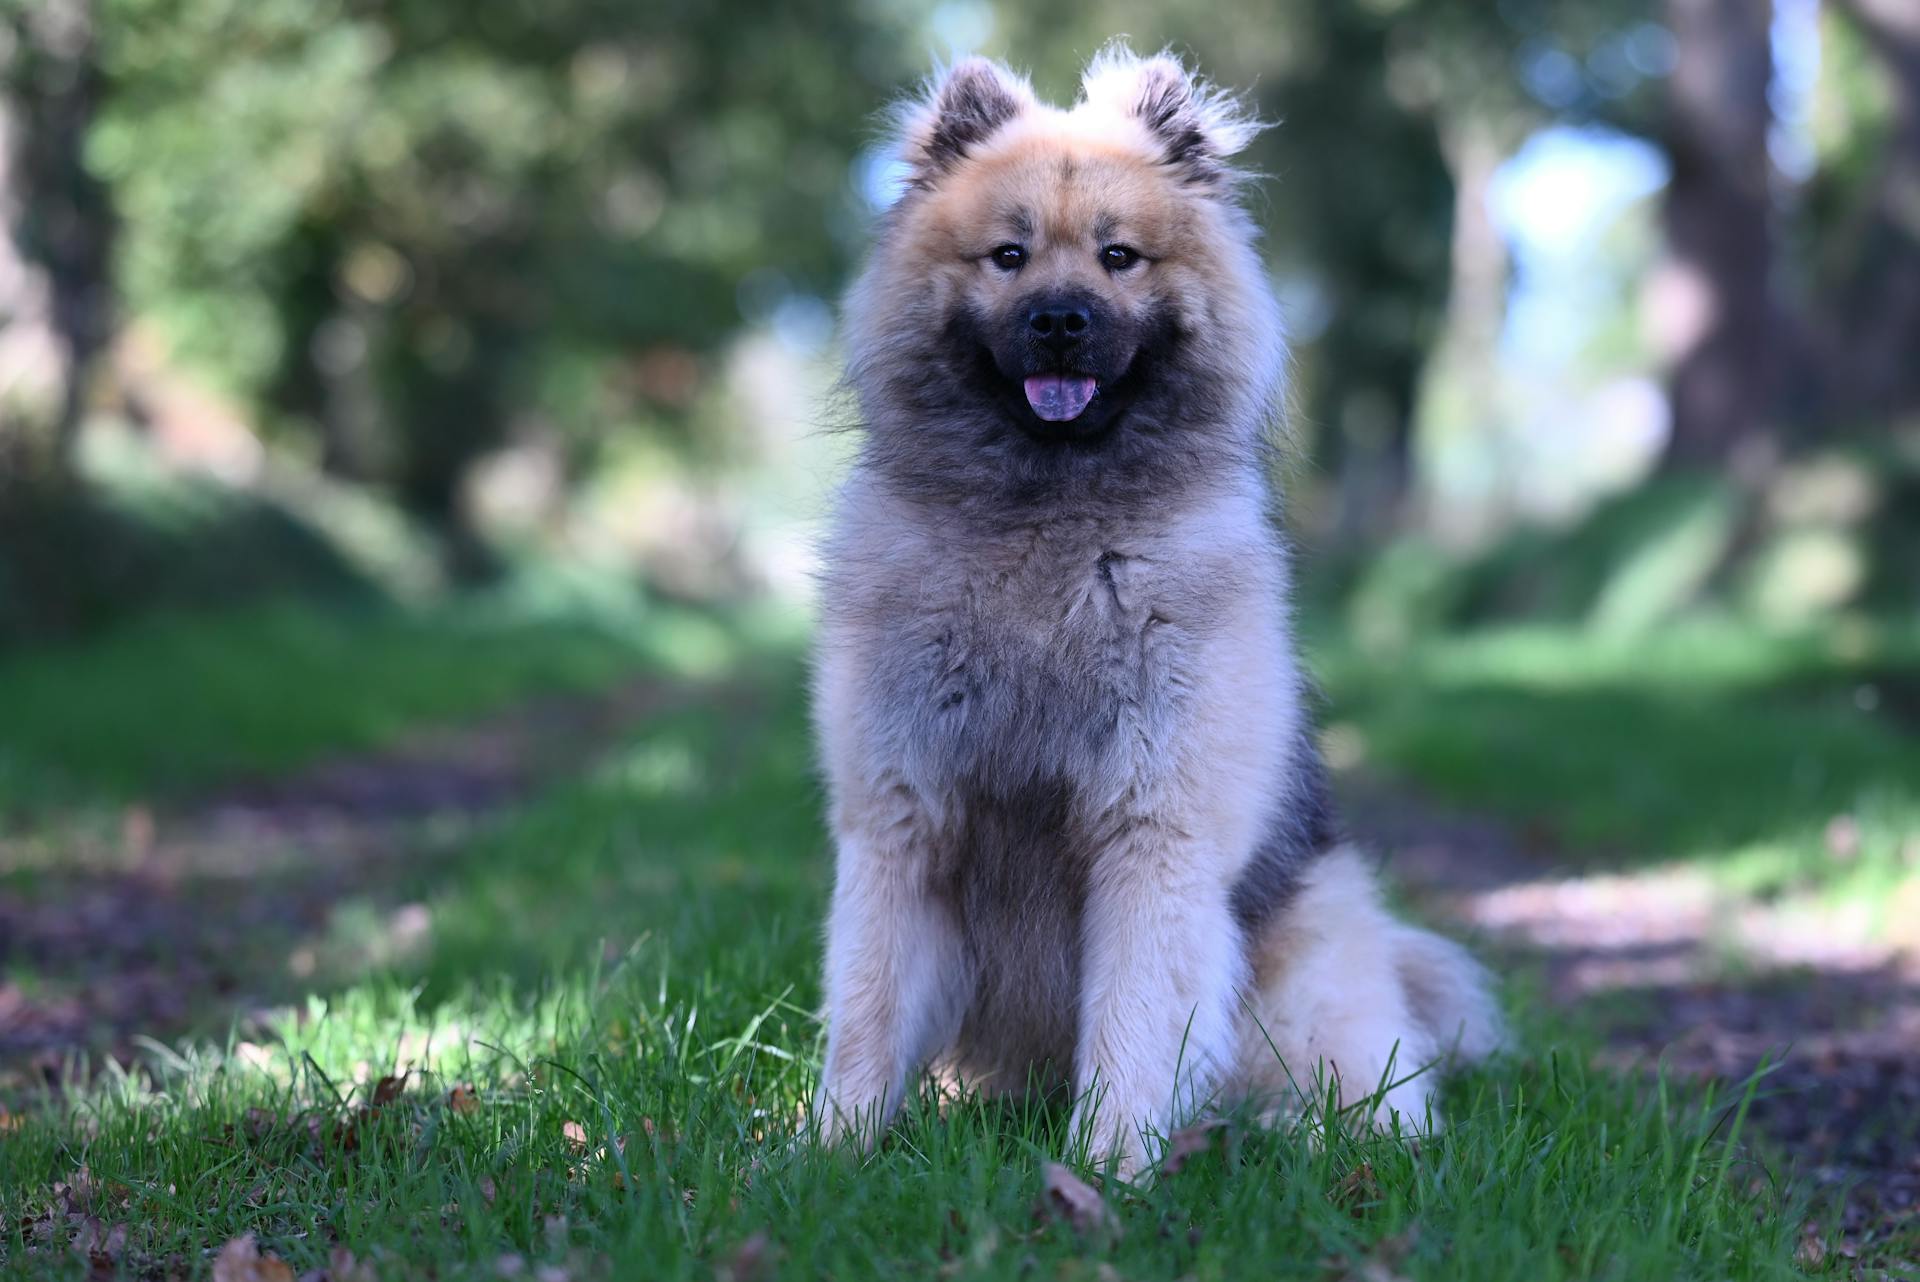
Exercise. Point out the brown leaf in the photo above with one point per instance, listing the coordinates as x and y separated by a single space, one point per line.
1066 1196
1383 1263
1812 1252
76 1194
346 1132
260 1122
342 1267
240 1261
749 1261
1190 1141
100 1247
1843 837
462 1100
387 1089
1356 1189
576 1136
137 830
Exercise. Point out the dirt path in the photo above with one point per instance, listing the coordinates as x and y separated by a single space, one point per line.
166 923
1672 969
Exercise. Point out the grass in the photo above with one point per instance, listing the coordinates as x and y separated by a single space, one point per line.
175 703
623 972
1710 743
641 1123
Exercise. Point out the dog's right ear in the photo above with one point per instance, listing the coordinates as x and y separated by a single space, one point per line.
961 108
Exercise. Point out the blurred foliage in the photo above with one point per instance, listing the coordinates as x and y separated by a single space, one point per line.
1833 532
141 537
401 238
406 229
259 691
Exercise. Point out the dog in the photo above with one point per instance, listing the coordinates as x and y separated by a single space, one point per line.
1083 837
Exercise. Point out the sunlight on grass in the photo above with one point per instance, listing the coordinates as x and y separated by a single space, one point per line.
1781 762
648 1111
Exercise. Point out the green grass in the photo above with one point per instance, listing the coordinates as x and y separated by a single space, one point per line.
175 703
1708 743
632 959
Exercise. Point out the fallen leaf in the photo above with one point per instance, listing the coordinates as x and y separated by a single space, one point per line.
260 1122
387 1089
1190 1141
342 1267
100 1248
748 1262
240 1261
1812 1252
137 830
576 1136
487 1189
1067 1196
1356 1189
462 1100
1383 1263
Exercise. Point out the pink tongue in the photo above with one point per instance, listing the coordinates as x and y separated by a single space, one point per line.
1059 397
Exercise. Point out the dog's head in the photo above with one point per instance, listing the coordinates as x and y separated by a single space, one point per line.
1066 290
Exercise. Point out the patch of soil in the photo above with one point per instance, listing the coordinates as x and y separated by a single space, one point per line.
1678 973
179 910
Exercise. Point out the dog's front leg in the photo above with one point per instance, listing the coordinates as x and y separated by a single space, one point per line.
894 979
1162 961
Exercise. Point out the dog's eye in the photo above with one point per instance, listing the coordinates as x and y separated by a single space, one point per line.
1117 258
1009 258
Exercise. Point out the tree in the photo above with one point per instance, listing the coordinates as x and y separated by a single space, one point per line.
1714 292
60 216
405 227
1864 321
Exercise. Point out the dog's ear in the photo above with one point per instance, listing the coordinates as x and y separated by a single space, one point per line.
1196 125
961 108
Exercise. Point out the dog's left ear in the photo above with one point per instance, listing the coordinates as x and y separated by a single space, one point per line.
1197 126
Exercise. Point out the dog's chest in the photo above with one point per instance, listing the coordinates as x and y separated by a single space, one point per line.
1057 664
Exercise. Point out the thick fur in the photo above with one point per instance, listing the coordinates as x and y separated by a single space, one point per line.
1083 838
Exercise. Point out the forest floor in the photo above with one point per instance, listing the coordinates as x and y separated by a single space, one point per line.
401 879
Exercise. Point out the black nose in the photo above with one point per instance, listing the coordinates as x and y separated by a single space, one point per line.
1059 325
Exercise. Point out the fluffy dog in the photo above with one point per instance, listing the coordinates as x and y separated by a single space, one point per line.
1083 837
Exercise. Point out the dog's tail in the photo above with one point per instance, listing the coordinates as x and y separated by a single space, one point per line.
1342 984
1450 995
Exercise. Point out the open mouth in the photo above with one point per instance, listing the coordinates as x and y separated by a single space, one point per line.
1060 398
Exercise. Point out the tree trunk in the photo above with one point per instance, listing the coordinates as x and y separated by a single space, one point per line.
62 219
1871 354
1713 299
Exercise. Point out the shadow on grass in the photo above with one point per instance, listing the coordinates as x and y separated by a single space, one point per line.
162 870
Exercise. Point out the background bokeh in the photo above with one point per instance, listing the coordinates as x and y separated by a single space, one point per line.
1607 308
